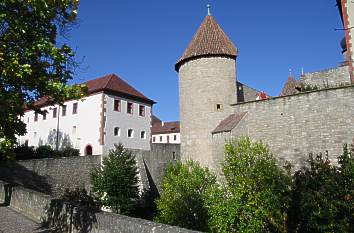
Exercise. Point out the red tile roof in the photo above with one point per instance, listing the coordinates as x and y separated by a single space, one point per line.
210 39
229 123
109 83
113 83
165 127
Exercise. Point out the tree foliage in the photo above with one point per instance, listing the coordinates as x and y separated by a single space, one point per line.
33 63
183 196
115 182
323 195
255 195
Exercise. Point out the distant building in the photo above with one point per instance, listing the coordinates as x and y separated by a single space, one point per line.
165 132
112 112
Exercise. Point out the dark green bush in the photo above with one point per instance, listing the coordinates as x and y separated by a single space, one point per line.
323 196
115 182
24 152
69 152
44 151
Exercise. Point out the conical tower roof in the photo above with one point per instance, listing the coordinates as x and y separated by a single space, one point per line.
209 40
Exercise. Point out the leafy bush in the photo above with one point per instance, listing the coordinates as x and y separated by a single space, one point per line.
24 152
115 182
323 196
183 196
69 152
44 151
256 194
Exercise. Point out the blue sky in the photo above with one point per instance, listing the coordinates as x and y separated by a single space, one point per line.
141 40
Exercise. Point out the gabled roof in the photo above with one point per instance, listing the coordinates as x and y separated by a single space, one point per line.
229 123
209 40
113 83
165 127
110 83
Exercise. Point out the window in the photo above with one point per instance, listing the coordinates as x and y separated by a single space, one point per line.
160 138
35 116
116 131
130 133
63 111
130 108
175 137
55 112
74 108
45 116
218 107
141 110
74 130
142 134
153 139
27 119
174 156
117 105
35 135
168 139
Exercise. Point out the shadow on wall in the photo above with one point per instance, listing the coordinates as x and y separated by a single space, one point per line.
15 173
74 212
64 140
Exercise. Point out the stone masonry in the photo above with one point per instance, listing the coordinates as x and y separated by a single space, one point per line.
294 126
203 84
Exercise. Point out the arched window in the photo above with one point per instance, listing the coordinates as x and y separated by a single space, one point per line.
88 150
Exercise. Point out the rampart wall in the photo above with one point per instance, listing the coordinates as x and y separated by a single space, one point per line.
296 125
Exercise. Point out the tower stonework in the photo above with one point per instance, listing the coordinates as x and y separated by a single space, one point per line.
207 87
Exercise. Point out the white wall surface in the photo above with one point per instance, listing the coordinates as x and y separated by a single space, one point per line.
126 121
87 122
164 138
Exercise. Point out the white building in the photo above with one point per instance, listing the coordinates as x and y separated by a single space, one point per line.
165 132
112 112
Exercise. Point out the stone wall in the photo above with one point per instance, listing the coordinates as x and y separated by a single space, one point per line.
334 77
50 175
296 125
67 218
203 84
153 163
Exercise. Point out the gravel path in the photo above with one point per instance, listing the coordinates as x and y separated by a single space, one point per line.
13 222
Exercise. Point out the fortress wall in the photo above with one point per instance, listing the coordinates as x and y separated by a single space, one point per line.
296 125
327 78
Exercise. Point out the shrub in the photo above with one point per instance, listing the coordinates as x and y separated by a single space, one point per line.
44 151
323 195
115 182
69 152
24 152
256 194
182 202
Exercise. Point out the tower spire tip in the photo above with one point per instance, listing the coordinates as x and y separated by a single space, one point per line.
209 9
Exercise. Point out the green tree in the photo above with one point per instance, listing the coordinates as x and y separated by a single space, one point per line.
33 63
115 182
183 196
323 195
255 195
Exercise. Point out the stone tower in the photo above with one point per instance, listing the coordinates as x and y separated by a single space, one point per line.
207 87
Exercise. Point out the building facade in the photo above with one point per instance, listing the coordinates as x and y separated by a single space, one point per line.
165 132
112 112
